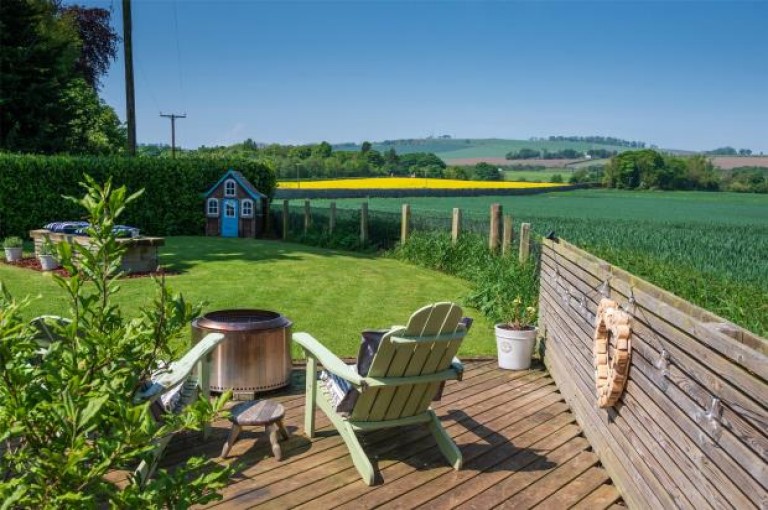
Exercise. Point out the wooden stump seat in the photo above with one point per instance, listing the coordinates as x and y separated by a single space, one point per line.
258 412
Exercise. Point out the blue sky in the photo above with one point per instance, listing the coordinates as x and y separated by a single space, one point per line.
686 75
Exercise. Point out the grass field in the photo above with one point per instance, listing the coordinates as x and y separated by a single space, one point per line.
332 295
536 175
709 248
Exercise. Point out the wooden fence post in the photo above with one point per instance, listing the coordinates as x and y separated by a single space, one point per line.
307 216
286 223
405 223
363 223
332 218
456 225
506 240
493 237
525 242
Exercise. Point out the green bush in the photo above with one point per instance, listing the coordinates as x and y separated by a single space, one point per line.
67 416
495 281
31 188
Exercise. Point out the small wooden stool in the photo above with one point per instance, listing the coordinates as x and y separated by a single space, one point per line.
258 412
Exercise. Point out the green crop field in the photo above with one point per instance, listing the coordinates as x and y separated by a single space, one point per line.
536 175
709 248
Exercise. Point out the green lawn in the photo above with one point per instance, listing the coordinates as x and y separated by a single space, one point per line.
330 294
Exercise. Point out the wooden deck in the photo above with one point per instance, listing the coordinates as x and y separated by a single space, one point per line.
521 447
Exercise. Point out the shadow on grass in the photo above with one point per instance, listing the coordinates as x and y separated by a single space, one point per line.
183 253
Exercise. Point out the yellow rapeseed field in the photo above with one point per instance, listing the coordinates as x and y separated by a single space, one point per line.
409 183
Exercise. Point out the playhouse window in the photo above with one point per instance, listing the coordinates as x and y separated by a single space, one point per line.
246 209
213 207
229 210
229 188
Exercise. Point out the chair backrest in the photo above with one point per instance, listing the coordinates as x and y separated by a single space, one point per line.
427 344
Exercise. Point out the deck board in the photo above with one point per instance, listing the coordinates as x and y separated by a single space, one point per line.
521 448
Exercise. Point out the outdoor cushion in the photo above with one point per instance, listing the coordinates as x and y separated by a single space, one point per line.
341 393
66 227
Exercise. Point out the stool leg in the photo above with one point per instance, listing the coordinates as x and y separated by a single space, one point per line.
231 439
283 431
272 430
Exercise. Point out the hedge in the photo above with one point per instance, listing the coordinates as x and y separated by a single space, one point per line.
31 189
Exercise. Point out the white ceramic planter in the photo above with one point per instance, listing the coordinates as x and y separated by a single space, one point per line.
13 254
48 262
515 347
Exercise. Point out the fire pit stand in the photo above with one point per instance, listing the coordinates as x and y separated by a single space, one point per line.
255 355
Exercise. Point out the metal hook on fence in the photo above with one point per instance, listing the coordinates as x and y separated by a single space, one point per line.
662 369
629 306
710 419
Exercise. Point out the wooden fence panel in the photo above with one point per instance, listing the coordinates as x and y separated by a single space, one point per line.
691 429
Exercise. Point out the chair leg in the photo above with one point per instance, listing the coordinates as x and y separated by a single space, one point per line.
309 411
272 431
146 469
359 457
444 441
231 439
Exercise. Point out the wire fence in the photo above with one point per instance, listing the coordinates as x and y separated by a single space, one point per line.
323 224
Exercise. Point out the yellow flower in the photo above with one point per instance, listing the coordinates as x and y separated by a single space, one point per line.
410 183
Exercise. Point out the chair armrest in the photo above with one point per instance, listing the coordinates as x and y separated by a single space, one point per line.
329 360
180 369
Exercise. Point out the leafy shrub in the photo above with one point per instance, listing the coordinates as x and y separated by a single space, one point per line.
12 242
31 187
67 418
495 281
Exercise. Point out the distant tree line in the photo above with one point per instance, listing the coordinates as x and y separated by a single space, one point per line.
605 140
528 153
729 151
648 169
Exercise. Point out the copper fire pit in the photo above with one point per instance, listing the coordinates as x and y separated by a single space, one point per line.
255 355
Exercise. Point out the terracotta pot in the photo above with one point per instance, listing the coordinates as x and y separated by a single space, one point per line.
515 347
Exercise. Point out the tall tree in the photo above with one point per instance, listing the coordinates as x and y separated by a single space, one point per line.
47 103
37 56
98 41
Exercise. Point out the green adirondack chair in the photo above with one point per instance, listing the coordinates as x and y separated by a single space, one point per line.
406 371
178 372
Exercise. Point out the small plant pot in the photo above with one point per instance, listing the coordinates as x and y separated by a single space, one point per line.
13 254
48 262
515 347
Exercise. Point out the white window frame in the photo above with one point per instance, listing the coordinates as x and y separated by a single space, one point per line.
230 188
215 203
249 203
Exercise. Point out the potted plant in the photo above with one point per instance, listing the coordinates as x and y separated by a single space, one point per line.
47 257
516 336
12 246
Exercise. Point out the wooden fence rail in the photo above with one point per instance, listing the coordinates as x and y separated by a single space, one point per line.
500 231
691 429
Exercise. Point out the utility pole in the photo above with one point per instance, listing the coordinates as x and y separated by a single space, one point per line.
130 99
173 117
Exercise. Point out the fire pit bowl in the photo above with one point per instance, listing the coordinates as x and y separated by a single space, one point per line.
255 355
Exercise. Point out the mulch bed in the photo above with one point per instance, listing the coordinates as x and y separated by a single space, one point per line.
33 264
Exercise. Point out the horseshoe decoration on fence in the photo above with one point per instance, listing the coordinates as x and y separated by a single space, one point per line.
612 352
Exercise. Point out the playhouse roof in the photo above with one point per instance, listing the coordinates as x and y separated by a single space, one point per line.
241 180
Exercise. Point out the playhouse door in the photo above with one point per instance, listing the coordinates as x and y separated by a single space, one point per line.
229 219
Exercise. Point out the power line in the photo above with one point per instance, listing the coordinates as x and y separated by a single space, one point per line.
173 117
